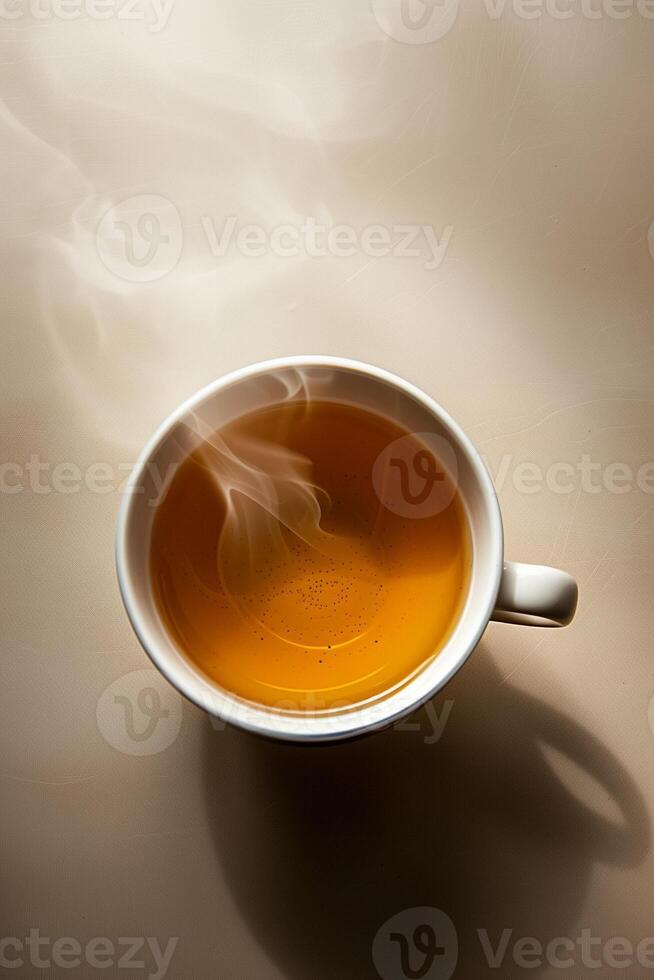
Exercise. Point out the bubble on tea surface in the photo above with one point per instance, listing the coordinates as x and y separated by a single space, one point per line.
314 599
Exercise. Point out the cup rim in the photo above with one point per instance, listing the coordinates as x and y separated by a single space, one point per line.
259 719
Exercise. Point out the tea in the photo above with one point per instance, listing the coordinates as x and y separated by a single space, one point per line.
284 574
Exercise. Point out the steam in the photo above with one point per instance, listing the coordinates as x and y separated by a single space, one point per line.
275 513
222 111
266 488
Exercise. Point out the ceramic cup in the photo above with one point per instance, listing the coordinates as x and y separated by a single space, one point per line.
500 590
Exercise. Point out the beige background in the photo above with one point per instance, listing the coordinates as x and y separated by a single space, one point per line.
533 139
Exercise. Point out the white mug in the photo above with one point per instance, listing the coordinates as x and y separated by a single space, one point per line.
499 590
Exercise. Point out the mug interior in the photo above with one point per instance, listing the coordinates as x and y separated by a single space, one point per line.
244 391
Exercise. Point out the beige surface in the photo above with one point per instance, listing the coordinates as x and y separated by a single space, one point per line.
532 138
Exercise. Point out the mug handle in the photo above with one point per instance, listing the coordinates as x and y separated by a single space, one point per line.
535 595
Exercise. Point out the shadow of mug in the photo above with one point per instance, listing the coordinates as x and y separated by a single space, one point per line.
321 846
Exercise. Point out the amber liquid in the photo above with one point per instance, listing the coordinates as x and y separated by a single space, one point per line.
306 629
